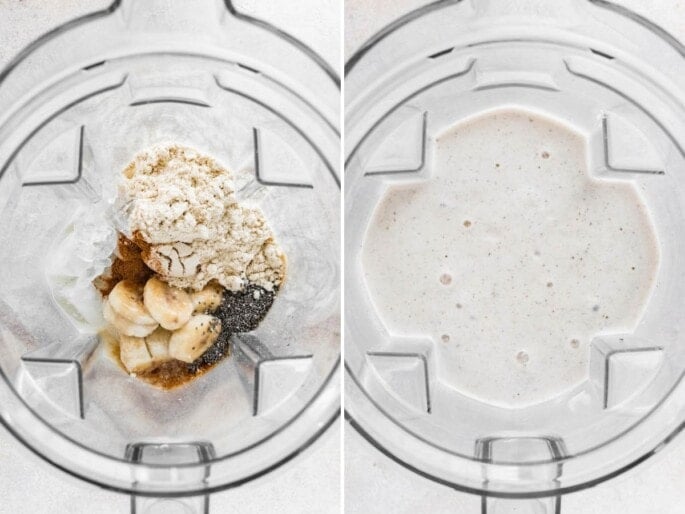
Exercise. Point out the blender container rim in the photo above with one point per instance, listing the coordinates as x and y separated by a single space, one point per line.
407 18
530 463
323 427
116 4
349 417
329 380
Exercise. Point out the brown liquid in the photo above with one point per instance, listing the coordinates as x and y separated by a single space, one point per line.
174 373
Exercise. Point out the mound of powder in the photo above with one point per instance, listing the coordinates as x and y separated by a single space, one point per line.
181 206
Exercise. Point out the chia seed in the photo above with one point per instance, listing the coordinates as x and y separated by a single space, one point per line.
239 312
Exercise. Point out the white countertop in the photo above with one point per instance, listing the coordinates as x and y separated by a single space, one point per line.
375 484
310 483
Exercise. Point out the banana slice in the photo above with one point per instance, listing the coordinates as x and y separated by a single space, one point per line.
207 300
138 354
123 325
194 338
134 354
169 306
126 299
158 344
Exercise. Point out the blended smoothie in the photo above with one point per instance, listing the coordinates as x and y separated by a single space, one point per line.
511 257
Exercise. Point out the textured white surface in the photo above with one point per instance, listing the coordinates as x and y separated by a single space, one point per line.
309 484
376 484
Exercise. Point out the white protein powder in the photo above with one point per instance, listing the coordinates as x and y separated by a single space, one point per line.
182 203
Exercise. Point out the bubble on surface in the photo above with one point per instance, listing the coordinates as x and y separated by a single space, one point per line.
522 357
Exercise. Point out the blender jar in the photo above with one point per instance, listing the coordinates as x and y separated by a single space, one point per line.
617 82
76 106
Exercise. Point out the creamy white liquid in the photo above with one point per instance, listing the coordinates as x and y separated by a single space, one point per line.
511 257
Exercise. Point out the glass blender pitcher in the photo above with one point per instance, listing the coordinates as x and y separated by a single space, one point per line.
618 81
76 106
